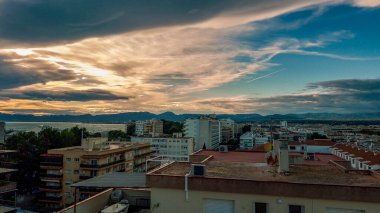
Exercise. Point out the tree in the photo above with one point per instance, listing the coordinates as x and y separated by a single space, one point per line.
116 135
316 135
26 143
171 127
246 128
131 129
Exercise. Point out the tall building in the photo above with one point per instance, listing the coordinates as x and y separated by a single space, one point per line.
62 167
154 127
2 132
205 131
227 129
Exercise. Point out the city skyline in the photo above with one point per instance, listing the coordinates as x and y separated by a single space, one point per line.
189 56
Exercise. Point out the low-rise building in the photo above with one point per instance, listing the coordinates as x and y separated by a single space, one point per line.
174 148
359 158
245 182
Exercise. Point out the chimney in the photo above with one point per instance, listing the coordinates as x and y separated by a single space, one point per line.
283 156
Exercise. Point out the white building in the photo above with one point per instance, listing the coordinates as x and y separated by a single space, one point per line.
247 140
175 148
284 124
311 146
2 132
359 159
205 131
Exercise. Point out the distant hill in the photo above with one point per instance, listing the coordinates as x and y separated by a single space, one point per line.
124 117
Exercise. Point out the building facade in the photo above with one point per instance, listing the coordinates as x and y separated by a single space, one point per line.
174 148
205 131
2 132
62 167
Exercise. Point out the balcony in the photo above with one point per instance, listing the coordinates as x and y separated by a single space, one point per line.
97 166
45 175
48 198
144 154
51 187
85 177
6 186
51 163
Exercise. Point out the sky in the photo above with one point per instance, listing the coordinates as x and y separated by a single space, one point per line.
189 56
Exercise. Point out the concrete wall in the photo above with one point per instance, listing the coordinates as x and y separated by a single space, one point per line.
172 200
92 204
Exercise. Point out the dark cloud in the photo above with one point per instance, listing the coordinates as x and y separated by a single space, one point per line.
341 96
15 74
42 21
74 95
349 84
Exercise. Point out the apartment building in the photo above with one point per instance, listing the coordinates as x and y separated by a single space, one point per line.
245 182
176 148
206 132
2 133
62 167
154 127
250 139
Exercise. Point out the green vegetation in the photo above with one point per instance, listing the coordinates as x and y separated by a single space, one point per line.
131 129
171 127
316 135
116 135
31 145
246 128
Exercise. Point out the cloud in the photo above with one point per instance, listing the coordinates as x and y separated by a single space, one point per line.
366 3
85 95
16 74
366 85
40 21
341 96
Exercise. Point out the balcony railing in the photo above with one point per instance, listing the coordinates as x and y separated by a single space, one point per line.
144 154
51 175
50 163
54 187
96 166
58 198
6 186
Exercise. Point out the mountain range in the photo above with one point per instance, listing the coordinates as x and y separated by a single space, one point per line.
128 116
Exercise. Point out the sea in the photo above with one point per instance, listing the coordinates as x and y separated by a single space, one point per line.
37 126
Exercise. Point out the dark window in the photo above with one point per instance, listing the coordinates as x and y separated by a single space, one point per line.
261 207
296 209
292 147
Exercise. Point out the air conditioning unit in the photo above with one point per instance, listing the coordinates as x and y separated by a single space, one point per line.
223 148
198 170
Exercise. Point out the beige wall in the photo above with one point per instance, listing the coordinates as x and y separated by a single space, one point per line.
171 200
90 205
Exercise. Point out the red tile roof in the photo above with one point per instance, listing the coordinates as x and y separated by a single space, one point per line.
317 142
366 155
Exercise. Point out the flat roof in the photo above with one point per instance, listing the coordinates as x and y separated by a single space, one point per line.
7 151
253 166
115 180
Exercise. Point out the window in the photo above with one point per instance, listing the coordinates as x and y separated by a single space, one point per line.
76 159
218 206
261 208
68 159
292 148
76 171
68 171
296 209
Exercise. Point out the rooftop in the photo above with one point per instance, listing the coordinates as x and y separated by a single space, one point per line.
253 166
373 158
115 180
